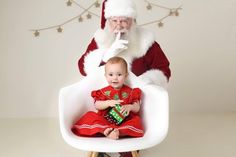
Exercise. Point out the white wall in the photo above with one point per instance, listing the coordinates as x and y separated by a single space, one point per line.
200 44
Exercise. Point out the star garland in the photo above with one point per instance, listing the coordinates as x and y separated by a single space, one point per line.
59 27
88 14
172 12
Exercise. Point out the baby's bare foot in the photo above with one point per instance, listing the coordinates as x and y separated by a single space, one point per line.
107 131
114 134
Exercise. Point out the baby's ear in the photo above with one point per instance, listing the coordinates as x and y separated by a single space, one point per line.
105 75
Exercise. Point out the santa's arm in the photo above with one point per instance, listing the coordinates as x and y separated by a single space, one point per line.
158 71
91 47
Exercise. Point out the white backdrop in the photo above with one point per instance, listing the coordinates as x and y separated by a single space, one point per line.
200 45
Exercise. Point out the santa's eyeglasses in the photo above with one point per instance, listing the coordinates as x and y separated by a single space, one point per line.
119 20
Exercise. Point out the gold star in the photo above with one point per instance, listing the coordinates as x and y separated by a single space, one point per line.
160 24
176 13
36 33
97 4
149 7
59 29
68 3
171 13
80 19
89 16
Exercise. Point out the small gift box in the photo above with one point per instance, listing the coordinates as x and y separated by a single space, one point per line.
115 116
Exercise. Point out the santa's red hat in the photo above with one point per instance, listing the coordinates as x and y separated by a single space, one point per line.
112 8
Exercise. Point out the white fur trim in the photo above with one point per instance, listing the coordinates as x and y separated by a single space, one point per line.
156 77
93 60
139 43
125 8
147 38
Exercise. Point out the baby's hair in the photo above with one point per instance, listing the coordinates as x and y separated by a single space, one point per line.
120 60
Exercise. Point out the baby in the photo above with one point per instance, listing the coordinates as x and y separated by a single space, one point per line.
118 106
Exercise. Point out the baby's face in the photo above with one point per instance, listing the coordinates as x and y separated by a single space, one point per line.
115 75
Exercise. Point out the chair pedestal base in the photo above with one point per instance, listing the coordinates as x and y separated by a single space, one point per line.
95 154
135 154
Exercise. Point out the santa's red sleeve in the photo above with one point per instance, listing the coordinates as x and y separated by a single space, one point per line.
92 46
156 59
153 61
153 67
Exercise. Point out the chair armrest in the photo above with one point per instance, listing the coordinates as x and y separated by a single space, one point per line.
75 100
155 113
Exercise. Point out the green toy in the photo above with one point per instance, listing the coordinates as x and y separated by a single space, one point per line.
115 116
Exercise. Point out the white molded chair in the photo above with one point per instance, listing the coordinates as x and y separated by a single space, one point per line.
75 100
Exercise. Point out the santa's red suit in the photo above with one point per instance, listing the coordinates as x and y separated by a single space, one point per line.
94 123
144 55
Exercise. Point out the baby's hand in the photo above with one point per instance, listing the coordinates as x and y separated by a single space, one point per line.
112 103
125 109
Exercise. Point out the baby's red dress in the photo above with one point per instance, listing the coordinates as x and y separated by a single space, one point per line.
94 123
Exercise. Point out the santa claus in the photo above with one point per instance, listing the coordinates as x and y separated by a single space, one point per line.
120 36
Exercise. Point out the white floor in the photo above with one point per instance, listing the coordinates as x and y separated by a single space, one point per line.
190 135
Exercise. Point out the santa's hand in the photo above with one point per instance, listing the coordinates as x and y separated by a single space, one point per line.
117 46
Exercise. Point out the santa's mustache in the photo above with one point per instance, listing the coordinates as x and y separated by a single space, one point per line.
123 31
